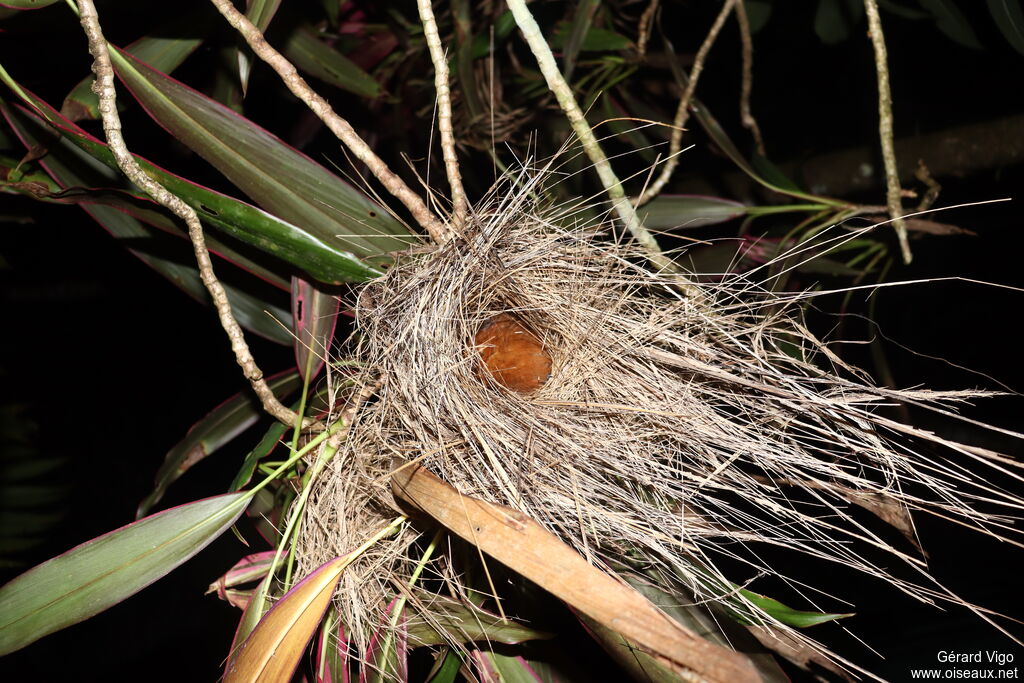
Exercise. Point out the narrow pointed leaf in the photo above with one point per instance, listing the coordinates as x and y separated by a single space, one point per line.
260 13
667 212
275 648
438 620
1009 17
248 569
310 54
331 651
315 316
27 4
104 571
277 177
951 21
68 164
161 52
787 615
220 426
387 654
262 450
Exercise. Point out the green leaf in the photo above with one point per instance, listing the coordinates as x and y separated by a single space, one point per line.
437 620
1010 19
161 52
308 52
774 175
260 13
220 426
262 450
315 317
174 259
285 182
788 615
667 212
835 20
28 4
951 21
446 667
758 13
899 10
578 32
597 39
104 571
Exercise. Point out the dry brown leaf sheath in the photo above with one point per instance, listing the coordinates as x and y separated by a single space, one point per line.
524 546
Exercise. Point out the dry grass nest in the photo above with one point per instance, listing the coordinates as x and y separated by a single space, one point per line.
671 431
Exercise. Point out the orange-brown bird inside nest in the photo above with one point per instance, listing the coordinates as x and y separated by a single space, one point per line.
512 354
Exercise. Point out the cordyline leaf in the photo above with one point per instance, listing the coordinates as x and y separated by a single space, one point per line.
220 426
578 31
318 59
250 568
27 4
666 212
788 615
104 571
324 260
262 450
951 21
446 667
331 651
160 52
314 316
524 546
1009 17
277 177
387 654
437 620
505 668
66 164
274 649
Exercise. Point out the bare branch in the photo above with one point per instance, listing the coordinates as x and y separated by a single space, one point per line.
104 89
683 110
444 113
892 180
336 124
746 85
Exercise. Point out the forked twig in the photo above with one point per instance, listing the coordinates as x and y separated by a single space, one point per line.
444 113
104 89
683 110
335 123
892 178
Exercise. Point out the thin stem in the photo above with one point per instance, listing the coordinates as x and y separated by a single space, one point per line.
563 93
336 124
892 179
746 84
444 113
104 89
683 110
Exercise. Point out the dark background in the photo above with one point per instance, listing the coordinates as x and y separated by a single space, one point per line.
113 364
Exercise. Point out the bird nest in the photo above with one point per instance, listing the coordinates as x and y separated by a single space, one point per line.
635 422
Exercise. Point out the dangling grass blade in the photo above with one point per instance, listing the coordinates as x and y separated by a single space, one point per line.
667 212
323 260
315 317
104 571
220 426
275 648
307 52
174 259
162 52
277 177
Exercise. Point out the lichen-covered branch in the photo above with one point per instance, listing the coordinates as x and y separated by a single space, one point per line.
683 110
336 124
444 113
104 89
892 179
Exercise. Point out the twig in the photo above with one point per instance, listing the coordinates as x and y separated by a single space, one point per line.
563 93
746 85
444 112
683 110
104 89
892 180
644 30
336 124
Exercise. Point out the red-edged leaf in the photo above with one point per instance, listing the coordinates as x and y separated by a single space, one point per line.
220 426
27 4
248 569
315 316
684 211
104 571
